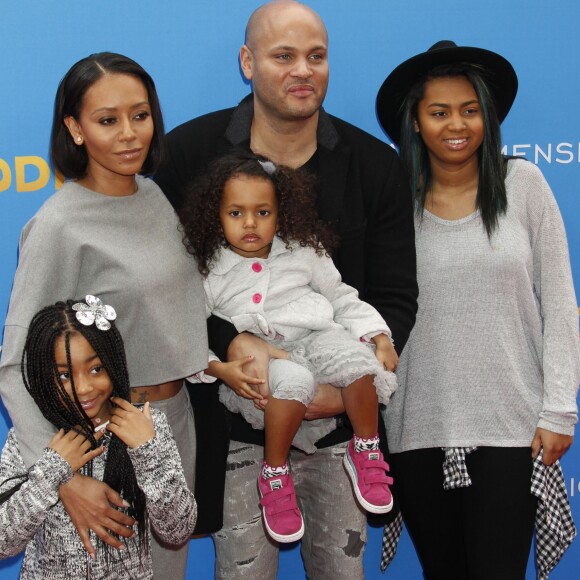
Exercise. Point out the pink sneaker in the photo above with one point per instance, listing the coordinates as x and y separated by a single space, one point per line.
280 511
368 473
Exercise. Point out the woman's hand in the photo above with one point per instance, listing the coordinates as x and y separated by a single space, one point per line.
385 352
237 377
90 505
74 448
554 445
132 426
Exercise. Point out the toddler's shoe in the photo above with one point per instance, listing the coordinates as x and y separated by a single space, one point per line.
368 473
280 511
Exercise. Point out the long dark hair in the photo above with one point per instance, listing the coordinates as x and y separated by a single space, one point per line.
297 216
491 192
72 160
41 378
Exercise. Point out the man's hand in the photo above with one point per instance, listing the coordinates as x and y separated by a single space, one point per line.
89 504
326 403
554 445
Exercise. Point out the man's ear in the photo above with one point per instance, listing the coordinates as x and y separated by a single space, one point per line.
246 61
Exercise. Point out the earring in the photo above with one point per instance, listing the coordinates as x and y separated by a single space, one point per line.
79 139
224 243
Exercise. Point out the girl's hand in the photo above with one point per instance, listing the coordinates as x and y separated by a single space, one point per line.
554 444
74 448
233 375
129 424
386 353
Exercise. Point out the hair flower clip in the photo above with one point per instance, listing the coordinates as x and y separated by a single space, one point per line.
268 167
94 311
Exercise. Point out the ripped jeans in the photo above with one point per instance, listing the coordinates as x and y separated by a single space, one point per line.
335 527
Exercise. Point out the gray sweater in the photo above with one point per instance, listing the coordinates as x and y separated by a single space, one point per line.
494 353
128 252
33 517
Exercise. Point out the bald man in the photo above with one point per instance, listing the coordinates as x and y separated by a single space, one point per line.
363 194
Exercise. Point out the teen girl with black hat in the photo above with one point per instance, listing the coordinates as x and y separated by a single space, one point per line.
489 376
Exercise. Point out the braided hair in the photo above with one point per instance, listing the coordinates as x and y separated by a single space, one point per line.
42 380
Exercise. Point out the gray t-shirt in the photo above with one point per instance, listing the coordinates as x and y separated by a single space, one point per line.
494 353
128 252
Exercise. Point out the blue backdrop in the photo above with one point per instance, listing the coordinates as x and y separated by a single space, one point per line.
190 48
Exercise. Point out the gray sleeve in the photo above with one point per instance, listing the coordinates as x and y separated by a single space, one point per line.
554 289
47 271
23 513
171 507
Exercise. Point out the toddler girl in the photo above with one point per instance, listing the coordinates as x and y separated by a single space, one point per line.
262 250
74 368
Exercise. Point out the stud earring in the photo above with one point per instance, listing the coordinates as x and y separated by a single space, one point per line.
79 139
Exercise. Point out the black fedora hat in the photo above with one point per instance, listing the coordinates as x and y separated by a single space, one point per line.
500 77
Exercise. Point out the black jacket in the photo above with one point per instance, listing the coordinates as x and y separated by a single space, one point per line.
363 192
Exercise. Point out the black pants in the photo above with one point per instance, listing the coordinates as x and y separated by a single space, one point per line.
480 532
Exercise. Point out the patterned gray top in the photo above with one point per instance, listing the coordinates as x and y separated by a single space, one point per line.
33 518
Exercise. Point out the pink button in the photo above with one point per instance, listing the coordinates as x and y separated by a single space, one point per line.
257 267
257 298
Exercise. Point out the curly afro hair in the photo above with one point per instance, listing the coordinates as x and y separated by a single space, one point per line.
298 220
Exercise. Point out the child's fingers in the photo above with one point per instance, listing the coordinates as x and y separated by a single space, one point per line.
260 404
91 454
122 404
114 429
121 413
248 393
73 433
60 434
244 360
252 380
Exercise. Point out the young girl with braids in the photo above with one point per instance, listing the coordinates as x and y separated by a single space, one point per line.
75 369
263 253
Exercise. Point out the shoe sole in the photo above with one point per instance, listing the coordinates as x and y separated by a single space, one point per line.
278 537
351 472
283 539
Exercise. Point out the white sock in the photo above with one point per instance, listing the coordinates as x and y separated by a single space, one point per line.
361 444
268 472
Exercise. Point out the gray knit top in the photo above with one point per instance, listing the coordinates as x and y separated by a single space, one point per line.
35 519
494 353
128 252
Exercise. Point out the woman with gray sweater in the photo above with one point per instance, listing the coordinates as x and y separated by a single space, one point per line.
111 232
489 377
